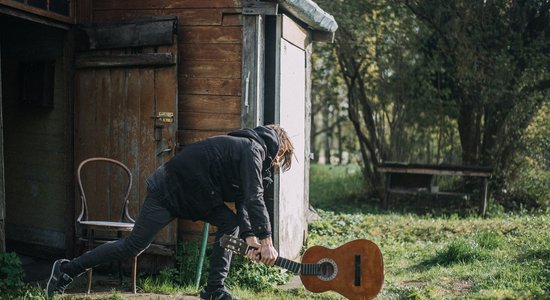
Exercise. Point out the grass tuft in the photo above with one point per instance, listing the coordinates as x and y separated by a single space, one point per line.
459 251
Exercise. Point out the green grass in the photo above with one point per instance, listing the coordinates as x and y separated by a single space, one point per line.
337 187
506 256
426 256
434 258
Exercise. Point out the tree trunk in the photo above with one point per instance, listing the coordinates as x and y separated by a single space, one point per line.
327 135
339 142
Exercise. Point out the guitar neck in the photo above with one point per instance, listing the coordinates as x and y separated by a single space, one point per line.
298 268
240 247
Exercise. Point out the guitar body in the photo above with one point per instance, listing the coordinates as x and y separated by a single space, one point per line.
354 270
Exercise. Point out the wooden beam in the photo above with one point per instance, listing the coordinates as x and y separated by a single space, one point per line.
254 7
146 32
435 172
70 205
125 60
484 194
322 36
253 65
33 17
39 12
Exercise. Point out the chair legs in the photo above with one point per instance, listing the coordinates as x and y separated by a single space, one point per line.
133 267
133 278
134 273
89 273
89 280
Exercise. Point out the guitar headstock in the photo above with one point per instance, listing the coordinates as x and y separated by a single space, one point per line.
233 244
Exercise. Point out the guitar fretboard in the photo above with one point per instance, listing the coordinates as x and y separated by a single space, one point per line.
298 268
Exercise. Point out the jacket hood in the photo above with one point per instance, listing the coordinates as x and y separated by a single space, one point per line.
265 136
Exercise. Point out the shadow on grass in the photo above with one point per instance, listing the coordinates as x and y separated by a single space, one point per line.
539 254
421 205
459 251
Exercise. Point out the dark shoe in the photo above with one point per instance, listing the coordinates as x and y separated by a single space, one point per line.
58 281
218 294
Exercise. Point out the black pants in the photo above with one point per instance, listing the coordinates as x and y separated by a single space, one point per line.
152 218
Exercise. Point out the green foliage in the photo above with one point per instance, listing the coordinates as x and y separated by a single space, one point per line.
336 187
11 272
12 285
528 181
25 293
504 256
255 276
182 276
467 250
186 264
163 284
450 257
440 82
459 251
244 274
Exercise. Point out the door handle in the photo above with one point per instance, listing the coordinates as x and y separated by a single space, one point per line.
165 150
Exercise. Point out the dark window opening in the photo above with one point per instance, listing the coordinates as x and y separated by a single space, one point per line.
37 83
61 7
38 3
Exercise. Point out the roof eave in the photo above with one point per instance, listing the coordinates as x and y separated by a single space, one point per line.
311 14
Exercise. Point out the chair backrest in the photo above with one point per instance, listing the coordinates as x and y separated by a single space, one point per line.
104 185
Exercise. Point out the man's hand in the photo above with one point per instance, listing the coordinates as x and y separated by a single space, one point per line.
262 251
254 252
268 252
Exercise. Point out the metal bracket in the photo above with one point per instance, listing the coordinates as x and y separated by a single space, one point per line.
165 117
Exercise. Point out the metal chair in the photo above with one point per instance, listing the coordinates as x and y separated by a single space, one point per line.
99 220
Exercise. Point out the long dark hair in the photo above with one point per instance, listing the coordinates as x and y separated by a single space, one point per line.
286 149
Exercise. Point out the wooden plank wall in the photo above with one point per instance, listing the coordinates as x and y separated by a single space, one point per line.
210 46
209 64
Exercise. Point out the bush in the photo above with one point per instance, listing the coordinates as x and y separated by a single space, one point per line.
529 182
11 273
255 276
244 273
337 187
186 264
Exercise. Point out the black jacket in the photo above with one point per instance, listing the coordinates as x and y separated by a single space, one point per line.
231 168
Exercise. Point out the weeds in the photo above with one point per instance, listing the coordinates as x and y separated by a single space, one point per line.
426 256
11 273
255 276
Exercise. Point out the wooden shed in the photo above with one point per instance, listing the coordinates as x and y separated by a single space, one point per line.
136 80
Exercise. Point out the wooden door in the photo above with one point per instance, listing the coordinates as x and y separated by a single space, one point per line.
291 112
126 108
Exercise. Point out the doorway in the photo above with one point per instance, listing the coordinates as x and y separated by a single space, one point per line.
36 138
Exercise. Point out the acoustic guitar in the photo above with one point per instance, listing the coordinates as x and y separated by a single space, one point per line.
355 270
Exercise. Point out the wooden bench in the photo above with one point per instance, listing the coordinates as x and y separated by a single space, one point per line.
406 178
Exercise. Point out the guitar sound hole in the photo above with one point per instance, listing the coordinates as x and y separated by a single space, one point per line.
327 269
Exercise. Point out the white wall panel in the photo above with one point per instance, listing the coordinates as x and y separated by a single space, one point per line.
292 116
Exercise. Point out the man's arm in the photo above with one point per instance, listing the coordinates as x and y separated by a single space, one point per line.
251 209
252 212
